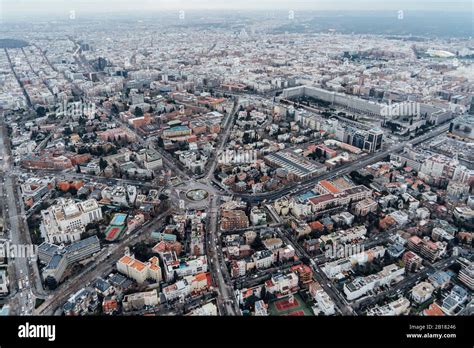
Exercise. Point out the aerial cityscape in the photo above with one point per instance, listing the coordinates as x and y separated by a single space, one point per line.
259 162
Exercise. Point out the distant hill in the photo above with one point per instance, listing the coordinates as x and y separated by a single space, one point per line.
416 23
12 43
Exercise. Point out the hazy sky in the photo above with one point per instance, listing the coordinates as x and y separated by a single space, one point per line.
56 7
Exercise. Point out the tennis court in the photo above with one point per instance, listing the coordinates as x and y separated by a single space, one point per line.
286 304
284 307
112 233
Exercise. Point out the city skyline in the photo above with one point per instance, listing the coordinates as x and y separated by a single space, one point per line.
22 8
236 159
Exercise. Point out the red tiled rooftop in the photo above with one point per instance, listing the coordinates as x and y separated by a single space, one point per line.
329 186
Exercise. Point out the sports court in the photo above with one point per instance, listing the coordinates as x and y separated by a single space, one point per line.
284 307
112 233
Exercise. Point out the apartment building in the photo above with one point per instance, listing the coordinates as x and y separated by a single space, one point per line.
361 285
190 285
58 258
466 274
139 300
263 259
3 282
397 307
353 194
182 267
151 159
282 284
45 161
65 221
412 261
233 219
422 292
140 271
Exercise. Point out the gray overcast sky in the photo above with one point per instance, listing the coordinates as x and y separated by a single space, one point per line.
16 8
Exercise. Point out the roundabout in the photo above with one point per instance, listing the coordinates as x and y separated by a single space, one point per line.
197 195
